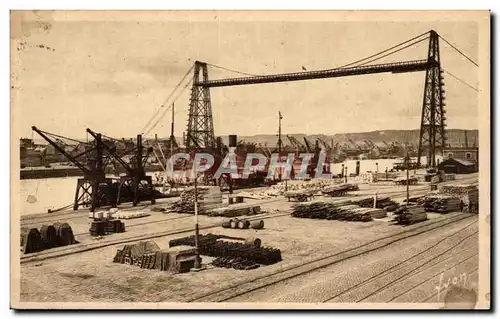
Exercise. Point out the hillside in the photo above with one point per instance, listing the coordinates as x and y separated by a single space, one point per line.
455 137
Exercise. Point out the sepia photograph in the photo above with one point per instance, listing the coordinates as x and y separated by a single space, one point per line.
250 159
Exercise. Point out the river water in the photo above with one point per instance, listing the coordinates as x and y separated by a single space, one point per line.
54 193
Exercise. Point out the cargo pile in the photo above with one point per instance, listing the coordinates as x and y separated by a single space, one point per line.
410 215
209 197
341 210
101 227
147 255
339 190
237 263
211 245
49 236
469 194
441 204
233 211
236 223
382 202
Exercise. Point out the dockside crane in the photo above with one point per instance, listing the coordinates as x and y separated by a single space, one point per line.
135 171
94 188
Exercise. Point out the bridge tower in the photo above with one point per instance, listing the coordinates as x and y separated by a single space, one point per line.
432 127
200 124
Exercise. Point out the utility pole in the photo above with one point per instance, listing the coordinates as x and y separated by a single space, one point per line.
345 175
197 261
172 133
407 178
279 140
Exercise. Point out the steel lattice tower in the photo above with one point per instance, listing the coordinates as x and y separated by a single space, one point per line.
432 127
200 124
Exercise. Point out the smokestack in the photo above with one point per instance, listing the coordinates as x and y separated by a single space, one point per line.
466 143
156 138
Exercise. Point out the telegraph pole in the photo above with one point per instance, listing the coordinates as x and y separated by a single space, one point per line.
279 141
407 159
197 261
172 132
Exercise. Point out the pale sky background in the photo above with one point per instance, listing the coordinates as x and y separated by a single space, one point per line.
112 76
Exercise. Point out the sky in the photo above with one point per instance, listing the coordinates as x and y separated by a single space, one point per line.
112 75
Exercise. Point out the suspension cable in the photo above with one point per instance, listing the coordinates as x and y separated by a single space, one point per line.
400 49
168 98
463 54
167 109
384 51
226 69
463 82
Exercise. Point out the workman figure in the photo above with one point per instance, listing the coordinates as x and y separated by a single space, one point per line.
461 205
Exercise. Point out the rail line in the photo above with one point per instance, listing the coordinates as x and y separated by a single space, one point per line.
429 279
295 270
400 265
470 272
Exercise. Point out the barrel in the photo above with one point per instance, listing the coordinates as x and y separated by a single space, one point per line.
253 241
234 223
243 224
226 223
257 224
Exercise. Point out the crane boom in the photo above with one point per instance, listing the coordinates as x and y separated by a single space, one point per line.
61 150
398 67
112 152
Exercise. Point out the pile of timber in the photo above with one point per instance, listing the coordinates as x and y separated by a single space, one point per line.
212 245
383 202
469 194
441 204
148 255
49 236
336 211
339 189
234 210
407 215
209 197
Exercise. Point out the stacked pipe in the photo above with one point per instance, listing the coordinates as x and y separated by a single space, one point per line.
242 223
49 236
210 245
336 211
235 263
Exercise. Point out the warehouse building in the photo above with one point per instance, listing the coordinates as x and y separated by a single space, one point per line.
458 166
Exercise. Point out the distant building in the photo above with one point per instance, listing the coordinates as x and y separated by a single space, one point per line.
464 153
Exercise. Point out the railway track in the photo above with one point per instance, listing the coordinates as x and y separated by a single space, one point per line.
293 271
404 269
